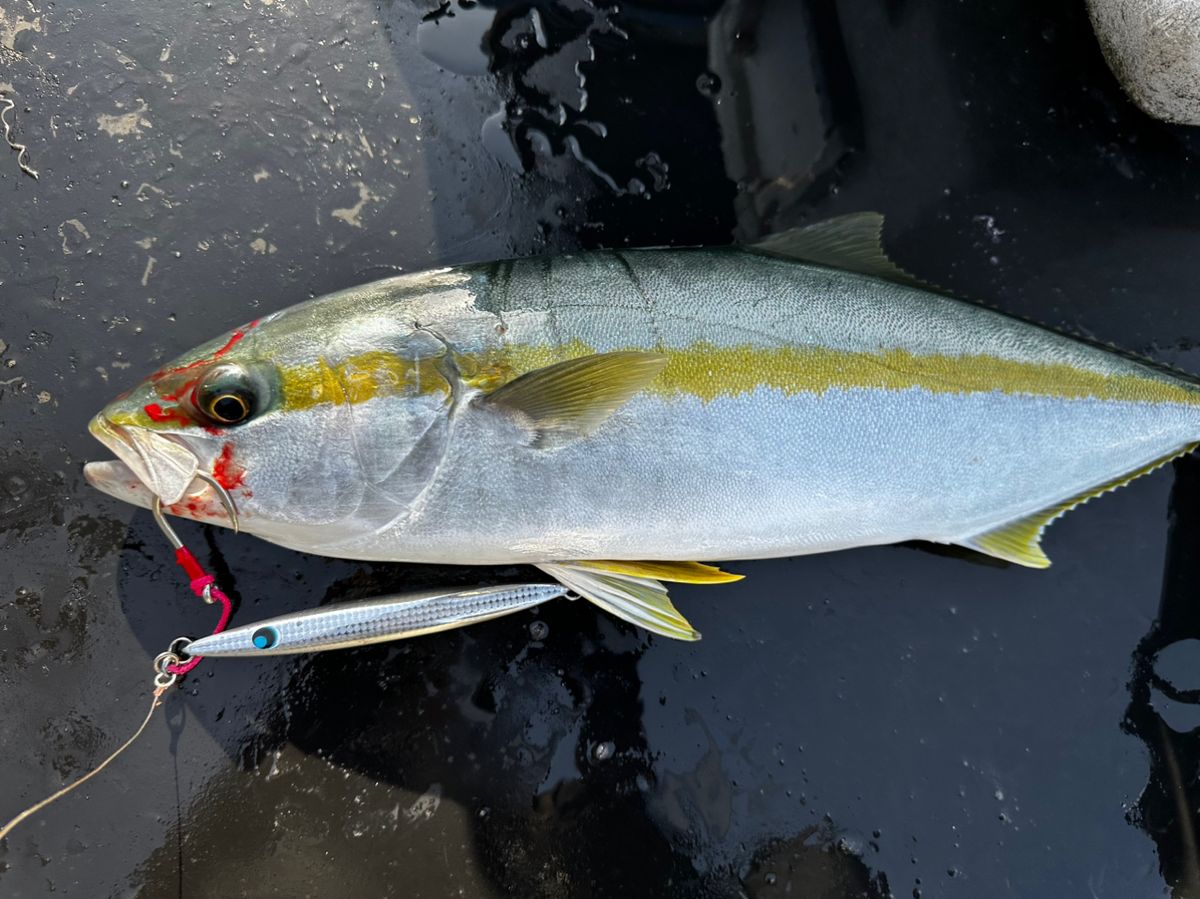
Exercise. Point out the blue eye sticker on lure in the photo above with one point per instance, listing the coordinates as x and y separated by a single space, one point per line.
265 638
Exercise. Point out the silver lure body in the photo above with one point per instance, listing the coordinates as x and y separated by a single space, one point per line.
349 624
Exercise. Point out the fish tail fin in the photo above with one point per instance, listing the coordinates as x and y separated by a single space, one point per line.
634 592
1020 540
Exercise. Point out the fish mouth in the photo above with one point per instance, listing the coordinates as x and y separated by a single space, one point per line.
163 463
154 470
119 481
161 473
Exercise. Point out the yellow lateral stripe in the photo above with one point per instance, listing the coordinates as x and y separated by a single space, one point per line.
357 379
707 371
377 373
677 572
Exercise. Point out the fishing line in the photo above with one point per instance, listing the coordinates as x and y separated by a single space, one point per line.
169 666
162 683
22 150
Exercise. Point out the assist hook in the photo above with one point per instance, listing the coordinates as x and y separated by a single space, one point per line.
222 495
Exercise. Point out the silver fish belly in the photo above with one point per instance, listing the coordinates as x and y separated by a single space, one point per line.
344 625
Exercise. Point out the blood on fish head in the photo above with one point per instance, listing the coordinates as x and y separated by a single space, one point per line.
177 424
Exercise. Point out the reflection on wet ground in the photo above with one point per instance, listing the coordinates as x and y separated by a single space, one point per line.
1164 707
883 722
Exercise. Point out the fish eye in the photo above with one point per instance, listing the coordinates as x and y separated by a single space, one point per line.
230 408
227 395
264 638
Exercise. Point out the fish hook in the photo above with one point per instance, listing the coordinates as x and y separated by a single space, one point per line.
222 495
202 584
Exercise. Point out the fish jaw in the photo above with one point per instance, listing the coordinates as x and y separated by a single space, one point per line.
165 465
199 502
151 464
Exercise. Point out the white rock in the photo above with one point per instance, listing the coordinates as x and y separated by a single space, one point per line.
1153 47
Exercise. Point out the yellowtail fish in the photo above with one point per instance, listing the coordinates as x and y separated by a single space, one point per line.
587 413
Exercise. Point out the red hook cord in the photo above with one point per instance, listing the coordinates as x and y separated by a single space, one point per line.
200 580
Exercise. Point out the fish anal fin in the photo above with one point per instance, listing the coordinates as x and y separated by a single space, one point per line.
631 597
1019 541
577 395
850 242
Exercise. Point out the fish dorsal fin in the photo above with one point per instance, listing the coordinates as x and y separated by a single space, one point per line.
1020 541
850 242
633 591
578 395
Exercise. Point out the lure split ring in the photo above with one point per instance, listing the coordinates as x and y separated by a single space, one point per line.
163 662
179 647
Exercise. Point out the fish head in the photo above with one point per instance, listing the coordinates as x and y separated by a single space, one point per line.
311 418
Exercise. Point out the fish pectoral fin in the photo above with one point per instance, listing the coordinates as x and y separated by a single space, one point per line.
633 591
578 395
1020 541
850 242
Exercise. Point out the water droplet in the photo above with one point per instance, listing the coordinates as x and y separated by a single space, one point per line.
499 142
539 29
16 486
539 630
708 84
602 752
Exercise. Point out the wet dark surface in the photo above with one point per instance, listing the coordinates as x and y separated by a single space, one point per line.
885 721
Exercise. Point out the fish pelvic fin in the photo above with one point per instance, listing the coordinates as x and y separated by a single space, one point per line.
850 242
633 591
576 396
1020 541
